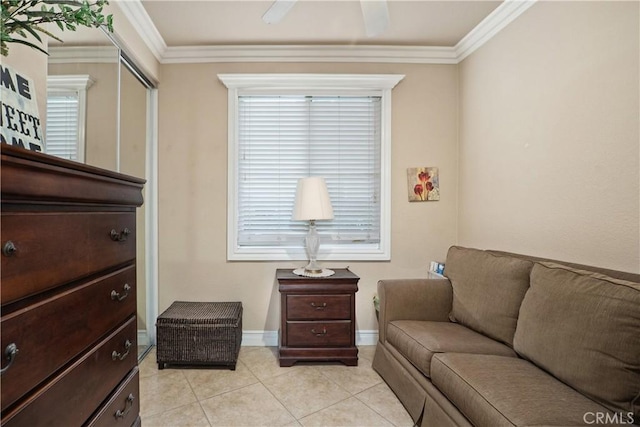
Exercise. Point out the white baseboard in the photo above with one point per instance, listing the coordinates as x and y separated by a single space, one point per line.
270 338
260 338
143 339
367 337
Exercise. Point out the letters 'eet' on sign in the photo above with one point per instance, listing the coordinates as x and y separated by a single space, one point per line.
19 119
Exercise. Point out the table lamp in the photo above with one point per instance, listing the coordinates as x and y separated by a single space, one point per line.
312 204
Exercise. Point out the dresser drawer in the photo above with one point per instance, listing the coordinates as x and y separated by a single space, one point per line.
51 333
319 334
71 397
55 248
123 407
311 307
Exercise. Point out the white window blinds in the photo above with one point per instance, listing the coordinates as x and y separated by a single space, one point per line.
62 137
66 115
284 138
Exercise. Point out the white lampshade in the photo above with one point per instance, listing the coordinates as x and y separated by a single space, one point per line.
312 200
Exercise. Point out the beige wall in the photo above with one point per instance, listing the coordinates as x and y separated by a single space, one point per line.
193 187
549 140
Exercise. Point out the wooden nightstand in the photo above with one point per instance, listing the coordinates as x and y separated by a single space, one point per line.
318 317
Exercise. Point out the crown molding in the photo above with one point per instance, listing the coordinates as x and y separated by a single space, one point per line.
502 16
139 19
312 53
69 82
84 54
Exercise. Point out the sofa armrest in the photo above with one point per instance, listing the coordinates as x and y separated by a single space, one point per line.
413 299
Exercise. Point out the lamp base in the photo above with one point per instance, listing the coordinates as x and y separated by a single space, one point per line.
325 272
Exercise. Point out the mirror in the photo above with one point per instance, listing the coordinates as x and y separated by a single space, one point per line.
97 113
82 98
133 138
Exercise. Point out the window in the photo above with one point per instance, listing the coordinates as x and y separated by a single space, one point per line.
286 127
66 113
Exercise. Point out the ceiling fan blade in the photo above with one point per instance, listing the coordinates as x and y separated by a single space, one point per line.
277 11
376 16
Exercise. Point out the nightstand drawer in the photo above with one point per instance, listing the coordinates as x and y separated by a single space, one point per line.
319 334
312 307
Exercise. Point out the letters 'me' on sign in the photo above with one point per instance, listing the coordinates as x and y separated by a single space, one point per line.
19 121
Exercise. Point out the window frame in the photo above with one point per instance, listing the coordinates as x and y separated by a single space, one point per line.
79 83
310 84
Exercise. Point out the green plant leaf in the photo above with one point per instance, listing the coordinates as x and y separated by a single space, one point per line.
22 17
40 14
31 31
31 45
62 2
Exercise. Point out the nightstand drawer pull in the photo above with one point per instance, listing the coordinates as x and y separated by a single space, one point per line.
120 356
116 296
319 334
10 354
127 407
119 237
319 307
9 249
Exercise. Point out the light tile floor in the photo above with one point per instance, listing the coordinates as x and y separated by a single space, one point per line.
261 393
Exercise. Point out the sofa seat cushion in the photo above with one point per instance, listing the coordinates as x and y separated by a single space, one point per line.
419 340
584 328
507 391
487 290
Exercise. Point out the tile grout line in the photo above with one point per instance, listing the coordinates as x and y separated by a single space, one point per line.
197 399
373 409
279 401
317 369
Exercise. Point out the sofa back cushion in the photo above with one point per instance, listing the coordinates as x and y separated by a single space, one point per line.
584 328
616 274
487 290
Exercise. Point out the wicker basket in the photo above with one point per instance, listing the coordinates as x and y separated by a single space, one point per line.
200 333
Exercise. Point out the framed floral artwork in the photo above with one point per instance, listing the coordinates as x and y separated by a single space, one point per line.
423 184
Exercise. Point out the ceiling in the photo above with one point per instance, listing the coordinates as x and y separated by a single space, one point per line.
313 22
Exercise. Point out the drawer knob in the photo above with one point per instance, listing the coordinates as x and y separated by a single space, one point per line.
9 249
128 404
120 356
319 334
116 295
10 353
121 236
319 306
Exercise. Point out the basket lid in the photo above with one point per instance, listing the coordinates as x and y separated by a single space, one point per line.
202 312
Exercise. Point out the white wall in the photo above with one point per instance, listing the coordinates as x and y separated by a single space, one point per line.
549 136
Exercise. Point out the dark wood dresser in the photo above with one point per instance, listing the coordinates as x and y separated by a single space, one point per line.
318 317
68 293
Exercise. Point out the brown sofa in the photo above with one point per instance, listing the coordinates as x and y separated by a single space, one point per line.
507 339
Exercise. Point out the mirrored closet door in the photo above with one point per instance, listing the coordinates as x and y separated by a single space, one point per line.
134 98
98 113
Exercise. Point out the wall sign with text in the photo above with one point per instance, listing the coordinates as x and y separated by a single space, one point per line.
19 118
